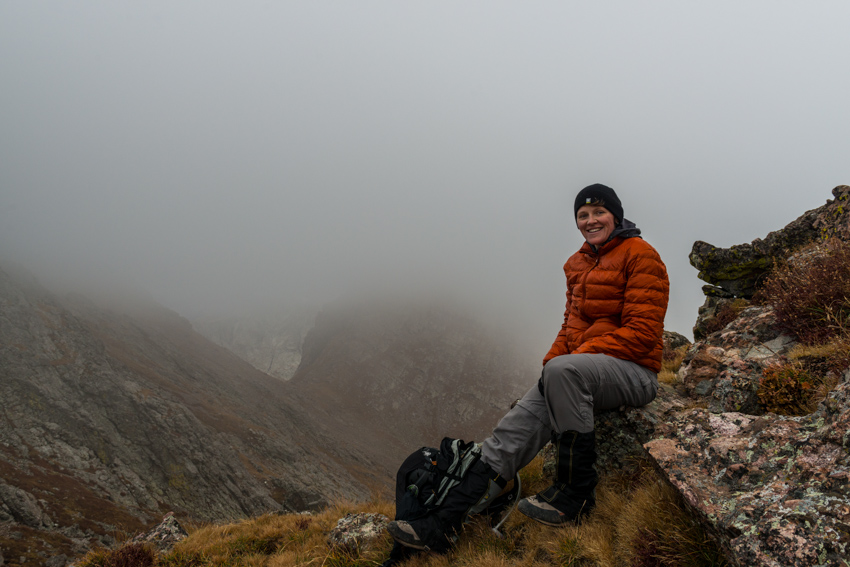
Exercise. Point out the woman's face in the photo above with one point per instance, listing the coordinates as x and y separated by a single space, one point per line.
596 223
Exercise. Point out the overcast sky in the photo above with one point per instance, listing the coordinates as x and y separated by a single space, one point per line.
224 155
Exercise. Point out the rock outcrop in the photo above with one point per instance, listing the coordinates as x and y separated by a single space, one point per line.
164 536
735 271
773 490
724 369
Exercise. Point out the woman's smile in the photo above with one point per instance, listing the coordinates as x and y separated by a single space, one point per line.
596 224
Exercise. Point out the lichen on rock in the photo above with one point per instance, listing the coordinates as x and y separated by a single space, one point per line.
358 530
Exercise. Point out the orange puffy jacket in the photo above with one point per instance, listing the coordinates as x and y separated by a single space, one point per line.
616 302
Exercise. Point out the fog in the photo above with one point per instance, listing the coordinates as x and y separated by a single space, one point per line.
225 156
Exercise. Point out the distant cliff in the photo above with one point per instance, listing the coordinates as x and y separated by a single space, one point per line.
393 375
270 342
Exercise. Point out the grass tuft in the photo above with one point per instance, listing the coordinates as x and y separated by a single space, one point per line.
670 365
790 388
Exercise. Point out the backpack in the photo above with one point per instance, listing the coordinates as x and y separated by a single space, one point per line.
428 475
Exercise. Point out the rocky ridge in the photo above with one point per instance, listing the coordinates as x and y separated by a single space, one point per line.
773 490
735 271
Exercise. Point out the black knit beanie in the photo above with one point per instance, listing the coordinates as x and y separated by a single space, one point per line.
603 195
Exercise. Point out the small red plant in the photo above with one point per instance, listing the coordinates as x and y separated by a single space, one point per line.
787 389
810 293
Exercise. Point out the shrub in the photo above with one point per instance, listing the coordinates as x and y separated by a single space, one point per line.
810 292
789 389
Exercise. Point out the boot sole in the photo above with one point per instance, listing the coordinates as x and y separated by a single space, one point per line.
412 545
576 521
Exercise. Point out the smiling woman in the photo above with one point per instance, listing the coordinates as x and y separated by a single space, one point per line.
606 355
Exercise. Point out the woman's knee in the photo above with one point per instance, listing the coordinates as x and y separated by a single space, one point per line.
564 373
572 366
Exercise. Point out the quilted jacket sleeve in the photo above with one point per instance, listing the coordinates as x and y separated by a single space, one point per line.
560 345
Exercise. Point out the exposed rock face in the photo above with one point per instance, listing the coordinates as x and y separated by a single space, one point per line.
270 343
725 368
735 271
774 490
110 419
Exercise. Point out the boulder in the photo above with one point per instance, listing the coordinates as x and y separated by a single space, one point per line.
165 535
356 531
18 505
773 490
736 271
724 369
672 342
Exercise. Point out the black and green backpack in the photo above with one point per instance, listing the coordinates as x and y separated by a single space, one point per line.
428 475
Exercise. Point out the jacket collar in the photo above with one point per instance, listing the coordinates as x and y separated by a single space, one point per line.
601 250
626 229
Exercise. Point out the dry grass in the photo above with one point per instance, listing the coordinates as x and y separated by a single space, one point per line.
639 520
670 366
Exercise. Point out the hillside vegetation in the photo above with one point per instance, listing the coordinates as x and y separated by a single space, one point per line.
639 521
810 293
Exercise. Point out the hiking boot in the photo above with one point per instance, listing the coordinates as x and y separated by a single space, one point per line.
423 534
555 506
573 495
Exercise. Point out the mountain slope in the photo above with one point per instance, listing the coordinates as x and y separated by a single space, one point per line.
389 376
111 419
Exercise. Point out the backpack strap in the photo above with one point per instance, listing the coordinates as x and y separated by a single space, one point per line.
461 457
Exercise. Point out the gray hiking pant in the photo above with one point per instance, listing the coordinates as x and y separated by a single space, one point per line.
574 385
